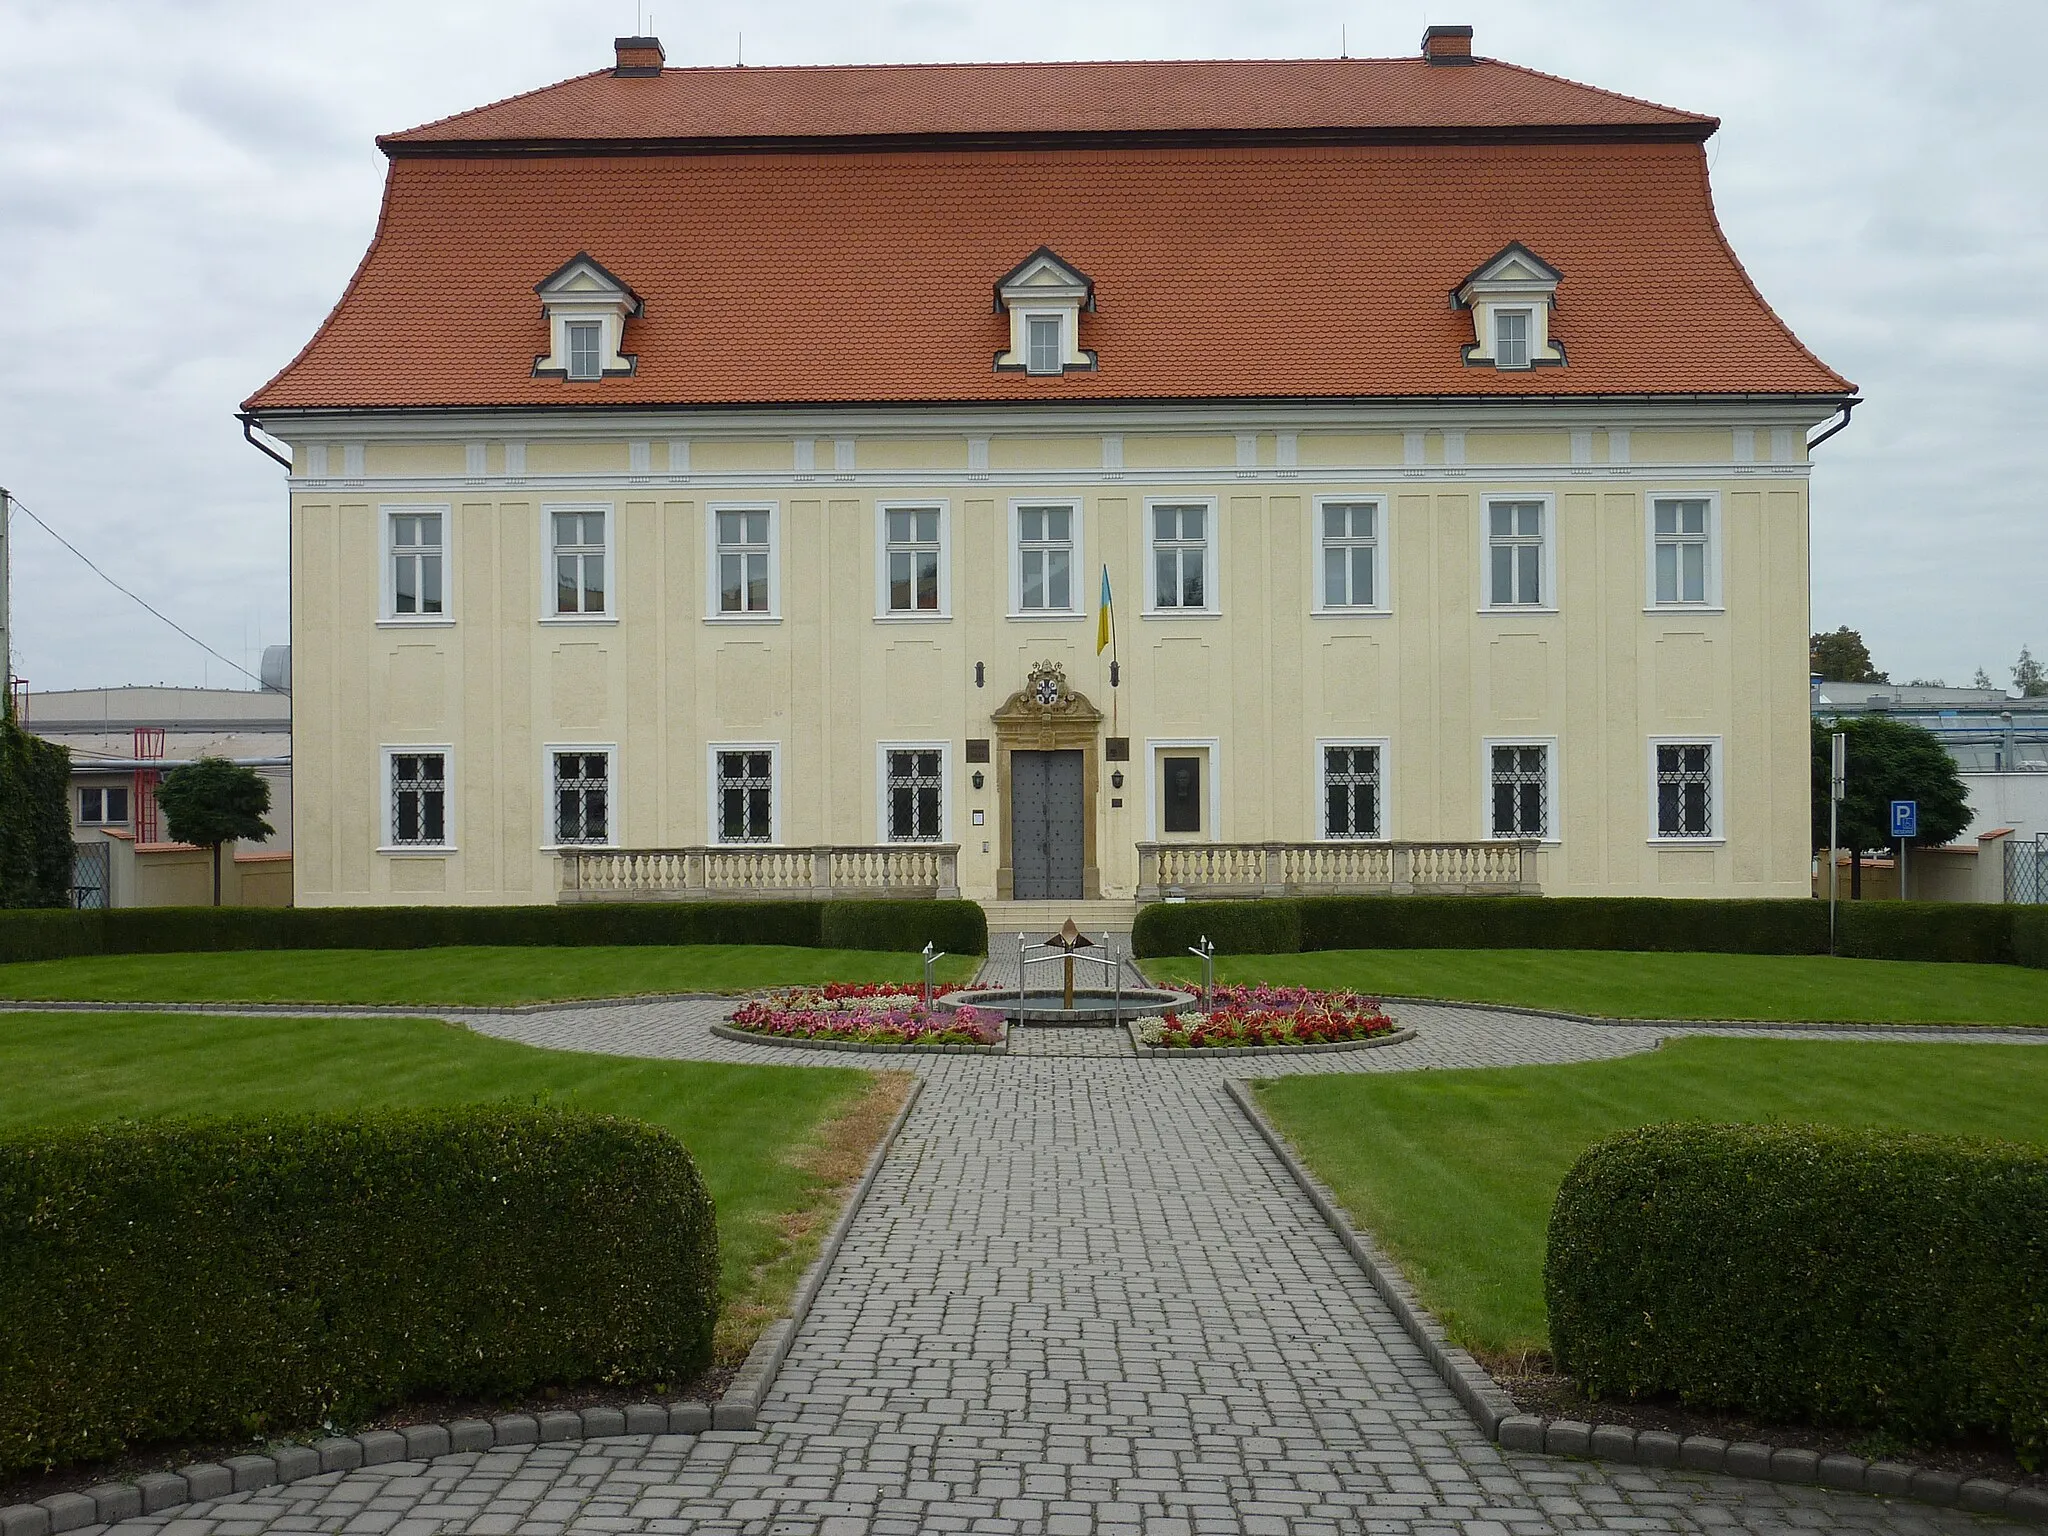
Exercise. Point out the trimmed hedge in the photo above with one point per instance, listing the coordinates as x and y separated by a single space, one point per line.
209 1280
958 926
1876 930
1869 1279
35 817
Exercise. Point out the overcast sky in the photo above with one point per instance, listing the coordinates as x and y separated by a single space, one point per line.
185 187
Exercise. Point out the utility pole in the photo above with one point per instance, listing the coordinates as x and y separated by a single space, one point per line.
6 583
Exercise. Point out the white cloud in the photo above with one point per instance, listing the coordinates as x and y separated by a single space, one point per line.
185 187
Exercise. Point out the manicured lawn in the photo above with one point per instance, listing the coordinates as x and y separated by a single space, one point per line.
1623 985
454 976
1455 1172
772 1142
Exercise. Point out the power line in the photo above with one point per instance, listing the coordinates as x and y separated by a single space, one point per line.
140 602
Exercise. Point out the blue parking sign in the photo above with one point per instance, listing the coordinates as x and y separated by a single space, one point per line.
1905 818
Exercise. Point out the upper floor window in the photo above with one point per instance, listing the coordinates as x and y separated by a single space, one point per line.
581 793
1351 792
582 559
1683 568
913 788
586 309
418 803
1512 297
1517 554
1518 776
1044 298
103 805
913 561
1047 558
743 794
415 562
1688 798
1180 556
1350 534
743 562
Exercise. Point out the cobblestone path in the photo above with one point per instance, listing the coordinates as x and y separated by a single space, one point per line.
1081 1298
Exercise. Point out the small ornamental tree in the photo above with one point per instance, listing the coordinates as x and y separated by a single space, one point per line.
211 801
2030 676
1842 657
35 818
1888 760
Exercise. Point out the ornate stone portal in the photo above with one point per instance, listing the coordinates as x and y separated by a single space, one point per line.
1046 715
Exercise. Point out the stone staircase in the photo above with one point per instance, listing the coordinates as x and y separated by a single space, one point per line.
1042 918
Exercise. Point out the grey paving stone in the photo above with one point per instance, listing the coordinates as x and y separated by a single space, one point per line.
340 1453
1568 1437
205 1480
560 1425
251 1471
381 1446
471 1435
24 1520
70 1511
603 1421
516 1429
1613 1442
1746 1458
1702 1453
1983 1494
160 1490
1841 1470
423 1441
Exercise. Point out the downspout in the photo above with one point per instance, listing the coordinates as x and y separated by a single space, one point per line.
249 437
1848 408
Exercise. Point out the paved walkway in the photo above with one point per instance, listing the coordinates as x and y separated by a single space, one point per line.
1081 1298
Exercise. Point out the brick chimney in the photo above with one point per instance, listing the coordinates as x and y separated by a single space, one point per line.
640 56
1440 45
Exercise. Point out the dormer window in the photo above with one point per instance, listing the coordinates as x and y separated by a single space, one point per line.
1511 298
586 309
1044 298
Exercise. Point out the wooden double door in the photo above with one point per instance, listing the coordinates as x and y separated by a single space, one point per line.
1048 809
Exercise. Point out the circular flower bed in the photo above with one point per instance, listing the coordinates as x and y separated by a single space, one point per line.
1269 1016
867 1013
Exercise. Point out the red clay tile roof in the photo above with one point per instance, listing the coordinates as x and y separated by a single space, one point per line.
1222 271
979 100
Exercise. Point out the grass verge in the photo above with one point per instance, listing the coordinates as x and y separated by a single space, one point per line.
458 976
778 1146
1631 985
1455 1172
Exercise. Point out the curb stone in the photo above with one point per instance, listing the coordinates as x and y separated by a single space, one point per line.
742 1401
1175 1053
201 1482
878 1048
1495 1412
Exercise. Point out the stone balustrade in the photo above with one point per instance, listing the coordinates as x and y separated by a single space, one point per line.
740 873
1336 869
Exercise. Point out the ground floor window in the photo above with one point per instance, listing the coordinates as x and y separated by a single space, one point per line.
914 792
582 797
1351 792
1685 789
419 799
1519 775
103 805
745 791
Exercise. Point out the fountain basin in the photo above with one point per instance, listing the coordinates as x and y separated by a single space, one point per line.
1092 1005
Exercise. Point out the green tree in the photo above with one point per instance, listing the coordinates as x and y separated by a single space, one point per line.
211 801
1982 680
35 817
1842 657
1888 760
2030 676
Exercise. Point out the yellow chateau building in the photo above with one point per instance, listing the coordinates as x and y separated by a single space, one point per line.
709 482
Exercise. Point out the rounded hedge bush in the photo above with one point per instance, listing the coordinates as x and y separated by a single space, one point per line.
211 1280
1802 1274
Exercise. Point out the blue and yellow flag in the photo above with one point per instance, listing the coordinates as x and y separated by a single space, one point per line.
1102 616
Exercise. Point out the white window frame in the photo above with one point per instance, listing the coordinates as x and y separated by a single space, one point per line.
1716 790
1546 564
1382 565
1155 747
1713 602
387 841
548 828
1211 561
1385 747
1495 312
1031 319
387 581
883 612
103 819
711 591
711 822
1078 562
882 751
1553 792
610 612
571 328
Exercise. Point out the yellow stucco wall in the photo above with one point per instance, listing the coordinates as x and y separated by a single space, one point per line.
1260 682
